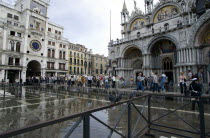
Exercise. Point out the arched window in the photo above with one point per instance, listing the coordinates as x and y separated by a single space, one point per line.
53 53
167 64
49 53
75 61
77 70
18 47
138 34
81 62
64 55
166 26
70 61
12 45
60 55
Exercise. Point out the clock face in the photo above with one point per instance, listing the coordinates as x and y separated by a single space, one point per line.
35 45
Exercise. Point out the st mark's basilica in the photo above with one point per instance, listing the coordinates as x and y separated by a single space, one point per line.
171 36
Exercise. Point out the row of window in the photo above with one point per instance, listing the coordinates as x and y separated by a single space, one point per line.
14 61
51 43
10 22
51 54
15 46
76 62
62 55
62 46
13 33
9 15
51 65
100 66
75 70
101 71
76 54
56 31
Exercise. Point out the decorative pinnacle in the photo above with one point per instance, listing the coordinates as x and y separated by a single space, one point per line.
124 7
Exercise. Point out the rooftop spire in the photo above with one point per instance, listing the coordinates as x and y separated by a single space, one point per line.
124 7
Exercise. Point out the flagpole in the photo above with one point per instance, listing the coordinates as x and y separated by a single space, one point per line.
110 25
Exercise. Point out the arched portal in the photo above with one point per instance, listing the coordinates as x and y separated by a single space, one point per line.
33 69
164 57
131 63
202 42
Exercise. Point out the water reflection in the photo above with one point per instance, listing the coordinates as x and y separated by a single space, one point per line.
39 104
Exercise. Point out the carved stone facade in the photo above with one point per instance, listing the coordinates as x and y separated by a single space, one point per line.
171 39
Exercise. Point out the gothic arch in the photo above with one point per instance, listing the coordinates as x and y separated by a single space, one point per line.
197 27
156 39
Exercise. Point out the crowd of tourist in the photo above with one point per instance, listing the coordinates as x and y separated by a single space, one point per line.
154 82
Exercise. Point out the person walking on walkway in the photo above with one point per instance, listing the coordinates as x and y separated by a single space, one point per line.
163 81
106 82
155 85
195 89
182 83
151 81
140 80
117 81
113 81
131 82
90 78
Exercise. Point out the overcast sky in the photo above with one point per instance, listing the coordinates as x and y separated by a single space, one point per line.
87 22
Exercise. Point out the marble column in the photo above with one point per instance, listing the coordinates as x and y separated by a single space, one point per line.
198 56
194 54
144 60
182 54
178 56
187 50
185 55
190 55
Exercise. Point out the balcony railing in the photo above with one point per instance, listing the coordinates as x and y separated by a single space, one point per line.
50 67
153 32
14 64
62 68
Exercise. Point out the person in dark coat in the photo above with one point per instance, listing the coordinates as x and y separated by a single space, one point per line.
195 89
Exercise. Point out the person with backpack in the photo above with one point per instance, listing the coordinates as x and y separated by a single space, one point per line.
196 91
163 81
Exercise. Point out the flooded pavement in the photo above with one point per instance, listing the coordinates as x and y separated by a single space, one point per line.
37 105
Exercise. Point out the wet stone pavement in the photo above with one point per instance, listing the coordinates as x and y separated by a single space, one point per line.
37 105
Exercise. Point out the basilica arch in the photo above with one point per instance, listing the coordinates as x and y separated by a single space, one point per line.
200 36
131 62
163 57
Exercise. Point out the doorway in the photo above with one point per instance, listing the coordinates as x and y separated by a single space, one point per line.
33 69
